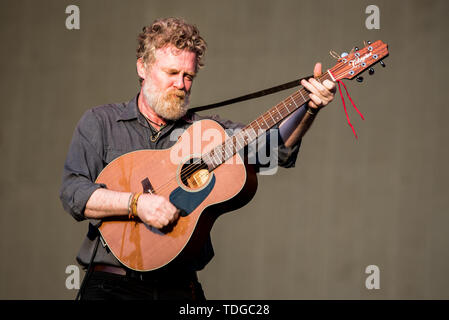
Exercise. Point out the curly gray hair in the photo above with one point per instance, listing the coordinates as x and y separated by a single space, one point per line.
170 31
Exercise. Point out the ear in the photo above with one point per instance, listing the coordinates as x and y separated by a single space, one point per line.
141 70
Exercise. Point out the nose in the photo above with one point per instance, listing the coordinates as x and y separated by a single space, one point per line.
179 82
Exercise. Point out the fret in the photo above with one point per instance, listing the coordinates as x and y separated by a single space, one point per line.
255 134
238 140
212 158
294 101
223 153
234 145
232 139
265 122
213 162
302 95
325 76
231 144
215 156
216 153
206 160
274 121
227 145
248 137
286 106
289 103
278 112
257 122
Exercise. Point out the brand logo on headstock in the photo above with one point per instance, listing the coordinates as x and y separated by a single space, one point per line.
359 60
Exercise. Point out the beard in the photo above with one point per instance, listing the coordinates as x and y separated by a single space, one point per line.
170 105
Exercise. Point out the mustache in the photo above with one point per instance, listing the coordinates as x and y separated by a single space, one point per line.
179 93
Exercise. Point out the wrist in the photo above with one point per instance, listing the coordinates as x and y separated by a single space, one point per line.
312 111
129 203
133 205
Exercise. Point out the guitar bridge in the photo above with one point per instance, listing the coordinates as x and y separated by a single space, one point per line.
146 186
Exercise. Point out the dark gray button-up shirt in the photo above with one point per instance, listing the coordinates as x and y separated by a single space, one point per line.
107 132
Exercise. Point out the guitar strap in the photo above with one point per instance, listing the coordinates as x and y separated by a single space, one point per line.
275 89
253 95
89 268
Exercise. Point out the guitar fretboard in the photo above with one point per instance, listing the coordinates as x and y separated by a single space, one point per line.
258 127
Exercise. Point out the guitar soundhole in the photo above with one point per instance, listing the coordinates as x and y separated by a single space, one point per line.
194 173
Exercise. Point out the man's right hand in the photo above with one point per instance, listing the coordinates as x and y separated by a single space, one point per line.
156 210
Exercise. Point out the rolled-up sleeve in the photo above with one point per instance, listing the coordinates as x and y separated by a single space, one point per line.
278 153
83 164
287 155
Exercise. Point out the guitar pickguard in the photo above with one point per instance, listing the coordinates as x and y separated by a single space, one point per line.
188 201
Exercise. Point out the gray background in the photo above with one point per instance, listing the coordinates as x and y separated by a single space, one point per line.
311 231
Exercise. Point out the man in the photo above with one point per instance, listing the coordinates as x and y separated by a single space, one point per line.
169 56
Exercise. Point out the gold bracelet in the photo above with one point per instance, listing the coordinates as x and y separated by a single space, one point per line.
134 205
129 204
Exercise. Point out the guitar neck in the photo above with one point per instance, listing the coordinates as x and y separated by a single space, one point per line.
258 127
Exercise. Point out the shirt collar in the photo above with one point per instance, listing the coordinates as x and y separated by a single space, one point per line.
130 111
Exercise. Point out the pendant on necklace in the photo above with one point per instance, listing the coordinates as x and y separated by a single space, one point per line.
154 137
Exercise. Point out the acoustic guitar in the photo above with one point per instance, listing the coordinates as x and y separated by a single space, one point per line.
202 174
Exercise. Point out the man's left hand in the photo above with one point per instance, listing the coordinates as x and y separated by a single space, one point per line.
320 93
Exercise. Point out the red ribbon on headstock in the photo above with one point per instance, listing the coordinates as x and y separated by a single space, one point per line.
344 104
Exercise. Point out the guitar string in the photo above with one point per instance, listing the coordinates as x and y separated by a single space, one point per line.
190 168
266 117
336 73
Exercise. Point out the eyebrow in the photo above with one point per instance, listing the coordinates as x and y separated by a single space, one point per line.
192 74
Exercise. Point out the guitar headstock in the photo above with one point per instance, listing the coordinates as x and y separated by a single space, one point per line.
358 60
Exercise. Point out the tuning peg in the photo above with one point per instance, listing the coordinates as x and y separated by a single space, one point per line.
382 63
371 71
366 43
359 79
356 48
343 54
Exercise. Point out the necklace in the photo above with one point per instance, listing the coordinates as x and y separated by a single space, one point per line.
155 135
159 125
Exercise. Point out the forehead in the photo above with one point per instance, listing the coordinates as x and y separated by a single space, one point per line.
173 58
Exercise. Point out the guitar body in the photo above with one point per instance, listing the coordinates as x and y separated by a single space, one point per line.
201 200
